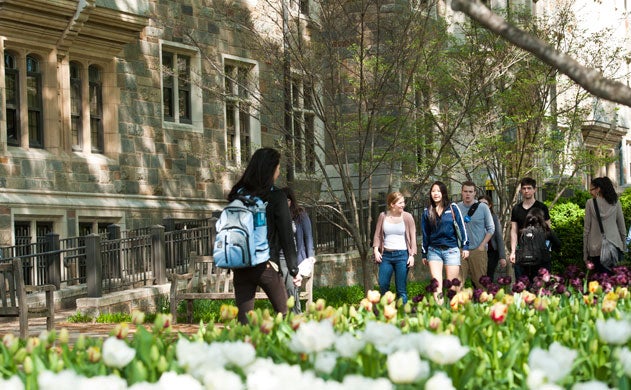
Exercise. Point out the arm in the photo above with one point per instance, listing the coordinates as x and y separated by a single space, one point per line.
410 232
284 229
424 236
463 231
378 237
513 241
587 223
620 222
489 226
555 243
308 234
499 239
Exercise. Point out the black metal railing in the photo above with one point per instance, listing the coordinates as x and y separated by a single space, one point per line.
124 259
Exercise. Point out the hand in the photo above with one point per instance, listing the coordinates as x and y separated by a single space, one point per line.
503 263
410 261
297 280
377 257
465 254
482 247
511 258
425 262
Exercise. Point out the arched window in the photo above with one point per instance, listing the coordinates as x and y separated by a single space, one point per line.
34 101
96 109
12 83
76 106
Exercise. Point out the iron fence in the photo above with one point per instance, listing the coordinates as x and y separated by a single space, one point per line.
119 260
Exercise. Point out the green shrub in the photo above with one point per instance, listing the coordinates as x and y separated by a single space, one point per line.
567 223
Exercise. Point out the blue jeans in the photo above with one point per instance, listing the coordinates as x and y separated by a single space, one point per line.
394 262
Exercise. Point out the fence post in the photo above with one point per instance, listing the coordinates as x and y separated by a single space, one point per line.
115 267
158 251
94 265
169 224
53 262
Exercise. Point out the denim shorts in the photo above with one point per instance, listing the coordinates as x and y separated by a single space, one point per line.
449 256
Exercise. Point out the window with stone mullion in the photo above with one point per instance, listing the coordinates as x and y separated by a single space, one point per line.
34 102
12 102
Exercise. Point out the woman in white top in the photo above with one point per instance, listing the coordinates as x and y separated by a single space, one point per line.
394 245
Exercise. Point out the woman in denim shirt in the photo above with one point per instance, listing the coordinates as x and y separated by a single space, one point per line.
440 239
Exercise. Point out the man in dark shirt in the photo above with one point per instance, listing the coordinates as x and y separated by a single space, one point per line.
528 188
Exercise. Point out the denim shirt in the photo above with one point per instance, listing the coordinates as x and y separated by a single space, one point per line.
444 234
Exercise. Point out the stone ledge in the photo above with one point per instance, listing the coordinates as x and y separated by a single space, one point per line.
147 299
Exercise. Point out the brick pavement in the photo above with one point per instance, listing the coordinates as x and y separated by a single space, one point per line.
37 325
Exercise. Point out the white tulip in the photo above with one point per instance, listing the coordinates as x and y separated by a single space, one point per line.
406 367
556 363
445 349
116 353
348 346
325 362
440 381
381 335
591 385
313 336
13 383
614 331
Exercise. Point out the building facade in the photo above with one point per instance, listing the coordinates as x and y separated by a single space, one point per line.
117 112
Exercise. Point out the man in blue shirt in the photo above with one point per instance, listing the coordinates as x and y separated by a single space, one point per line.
480 228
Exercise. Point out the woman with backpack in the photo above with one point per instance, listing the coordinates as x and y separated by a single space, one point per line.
605 198
535 242
258 181
444 233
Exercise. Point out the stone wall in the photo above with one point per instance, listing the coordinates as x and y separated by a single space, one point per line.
346 270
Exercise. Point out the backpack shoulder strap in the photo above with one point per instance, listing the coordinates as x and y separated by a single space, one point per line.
473 208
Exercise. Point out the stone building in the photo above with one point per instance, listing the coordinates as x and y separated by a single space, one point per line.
130 112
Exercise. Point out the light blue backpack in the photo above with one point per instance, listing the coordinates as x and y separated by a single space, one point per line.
242 234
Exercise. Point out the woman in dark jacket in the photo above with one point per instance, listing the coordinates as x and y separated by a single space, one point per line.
496 250
304 245
258 180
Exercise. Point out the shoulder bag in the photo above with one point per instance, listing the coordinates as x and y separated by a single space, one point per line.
456 227
609 255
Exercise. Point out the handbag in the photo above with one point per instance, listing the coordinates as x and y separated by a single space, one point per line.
609 253
456 227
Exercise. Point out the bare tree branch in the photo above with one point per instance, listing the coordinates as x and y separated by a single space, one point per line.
590 79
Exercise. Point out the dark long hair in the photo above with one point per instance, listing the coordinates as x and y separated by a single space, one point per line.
606 188
258 177
488 199
536 218
431 207
294 209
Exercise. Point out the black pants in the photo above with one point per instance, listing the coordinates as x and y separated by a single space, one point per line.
246 281
493 260
599 268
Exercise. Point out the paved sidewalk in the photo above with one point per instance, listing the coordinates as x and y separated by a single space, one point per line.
37 325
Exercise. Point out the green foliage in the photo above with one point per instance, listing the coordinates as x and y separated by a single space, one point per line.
80 318
625 201
567 223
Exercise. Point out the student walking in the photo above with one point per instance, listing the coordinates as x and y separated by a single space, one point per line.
394 245
480 229
441 240
496 251
605 198
258 180
303 235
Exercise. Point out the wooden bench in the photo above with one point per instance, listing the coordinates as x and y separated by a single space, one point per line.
13 297
205 281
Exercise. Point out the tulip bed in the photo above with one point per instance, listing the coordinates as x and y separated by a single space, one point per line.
560 332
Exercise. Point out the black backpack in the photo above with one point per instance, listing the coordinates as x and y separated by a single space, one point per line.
532 249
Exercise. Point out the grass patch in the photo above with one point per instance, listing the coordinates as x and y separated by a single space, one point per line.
207 311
